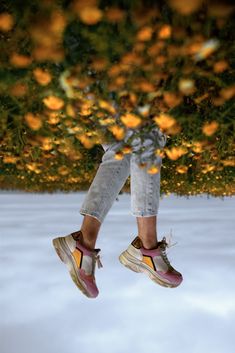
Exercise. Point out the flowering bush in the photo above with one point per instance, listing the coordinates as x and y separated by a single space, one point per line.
75 74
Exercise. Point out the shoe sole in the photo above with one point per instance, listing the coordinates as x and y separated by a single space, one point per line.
136 265
66 257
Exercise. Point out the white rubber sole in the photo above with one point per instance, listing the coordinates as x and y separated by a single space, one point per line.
66 257
136 265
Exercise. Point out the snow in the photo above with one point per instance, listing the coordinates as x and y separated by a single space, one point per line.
41 310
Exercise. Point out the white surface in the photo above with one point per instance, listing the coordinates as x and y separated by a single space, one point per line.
43 312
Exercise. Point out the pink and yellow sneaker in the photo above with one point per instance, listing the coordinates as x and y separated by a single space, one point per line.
80 262
153 262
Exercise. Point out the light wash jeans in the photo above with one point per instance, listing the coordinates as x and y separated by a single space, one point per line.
111 177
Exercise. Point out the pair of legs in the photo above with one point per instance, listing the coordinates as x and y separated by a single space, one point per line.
144 254
109 180
147 231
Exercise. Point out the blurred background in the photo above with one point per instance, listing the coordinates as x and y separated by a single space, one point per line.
75 74
43 311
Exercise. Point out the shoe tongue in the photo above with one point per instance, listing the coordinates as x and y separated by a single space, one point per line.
137 243
76 235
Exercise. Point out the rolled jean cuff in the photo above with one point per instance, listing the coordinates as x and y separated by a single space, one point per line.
144 214
84 212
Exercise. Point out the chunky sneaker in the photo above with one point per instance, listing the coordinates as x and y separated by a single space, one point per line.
80 262
153 262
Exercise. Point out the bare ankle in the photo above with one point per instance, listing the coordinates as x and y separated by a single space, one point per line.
149 243
88 240
150 246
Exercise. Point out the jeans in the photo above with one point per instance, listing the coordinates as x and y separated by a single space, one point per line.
111 177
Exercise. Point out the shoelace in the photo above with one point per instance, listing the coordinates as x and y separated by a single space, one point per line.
169 239
96 259
99 263
166 242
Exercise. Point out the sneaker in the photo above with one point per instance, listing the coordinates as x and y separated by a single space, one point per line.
80 262
153 262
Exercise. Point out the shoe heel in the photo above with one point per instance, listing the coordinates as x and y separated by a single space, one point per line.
127 263
58 249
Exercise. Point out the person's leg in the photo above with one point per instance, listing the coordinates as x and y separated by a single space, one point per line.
109 180
145 253
89 231
77 249
147 231
145 195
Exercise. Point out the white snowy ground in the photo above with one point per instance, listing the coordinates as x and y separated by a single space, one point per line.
43 312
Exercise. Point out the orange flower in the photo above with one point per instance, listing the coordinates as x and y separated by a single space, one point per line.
159 152
33 121
165 32
127 149
114 70
70 111
117 131
63 170
120 81
208 168
6 22
46 144
19 90
187 86
146 86
53 102
199 99
53 118
209 129
119 156
105 122
172 99
43 77
197 146
153 170
181 169
107 106
220 66
160 60
175 152
164 121
19 60
185 7
86 141
90 15
145 34
10 159
114 14
206 49
131 120
44 52
58 22
173 130
33 167
229 162
228 92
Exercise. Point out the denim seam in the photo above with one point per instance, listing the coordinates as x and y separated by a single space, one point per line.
117 172
144 214
101 214
150 193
